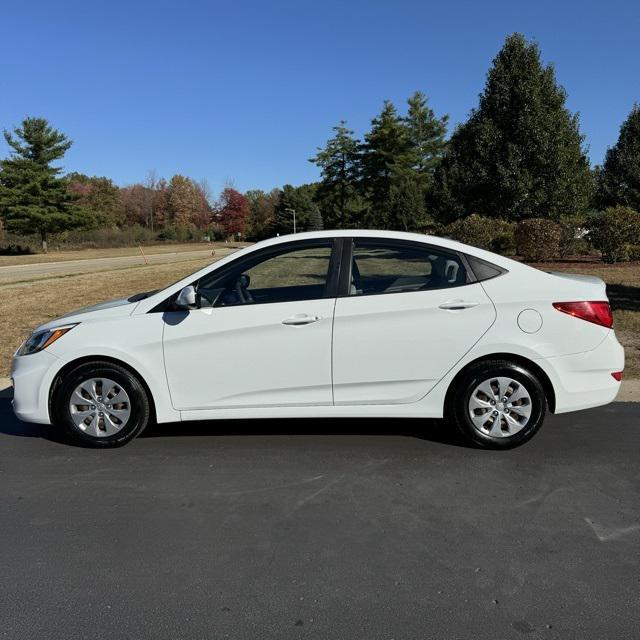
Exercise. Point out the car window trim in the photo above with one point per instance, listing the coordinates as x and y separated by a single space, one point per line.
344 286
255 257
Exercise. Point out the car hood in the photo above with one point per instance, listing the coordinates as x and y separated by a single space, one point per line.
108 309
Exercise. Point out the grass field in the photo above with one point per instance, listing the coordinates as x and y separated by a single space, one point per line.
23 306
88 254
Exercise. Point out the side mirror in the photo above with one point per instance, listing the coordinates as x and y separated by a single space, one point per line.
186 298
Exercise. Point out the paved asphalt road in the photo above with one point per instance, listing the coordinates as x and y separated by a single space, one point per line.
346 529
68 267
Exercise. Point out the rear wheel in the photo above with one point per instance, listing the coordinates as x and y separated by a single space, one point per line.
101 404
498 404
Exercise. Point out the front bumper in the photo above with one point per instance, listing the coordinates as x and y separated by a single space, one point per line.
584 380
32 377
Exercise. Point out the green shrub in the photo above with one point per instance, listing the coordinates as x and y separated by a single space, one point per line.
504 237
538 239
13 249
633 250
572 236
613 231
168 234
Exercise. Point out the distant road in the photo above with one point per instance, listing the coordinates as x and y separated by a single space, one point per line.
42 270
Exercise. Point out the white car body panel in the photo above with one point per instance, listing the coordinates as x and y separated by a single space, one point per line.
244 356
389 349
382 364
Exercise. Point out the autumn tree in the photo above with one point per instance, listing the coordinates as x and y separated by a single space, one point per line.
261 218
232 212
520 154
136 204
187 207
99 197
33 196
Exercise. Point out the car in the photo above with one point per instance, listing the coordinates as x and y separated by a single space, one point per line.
331 324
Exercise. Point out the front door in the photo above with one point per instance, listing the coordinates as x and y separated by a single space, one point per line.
261 336
412 313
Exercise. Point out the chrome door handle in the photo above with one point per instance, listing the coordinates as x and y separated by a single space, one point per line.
455 305
300 319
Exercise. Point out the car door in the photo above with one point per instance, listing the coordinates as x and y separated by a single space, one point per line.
262 333
411 312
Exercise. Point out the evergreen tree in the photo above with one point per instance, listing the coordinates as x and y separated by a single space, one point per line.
33 198
520 154
385 160
337 193
301 200
426 137
619 178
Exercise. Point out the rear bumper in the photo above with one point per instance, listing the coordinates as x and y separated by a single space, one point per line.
584 380
32 376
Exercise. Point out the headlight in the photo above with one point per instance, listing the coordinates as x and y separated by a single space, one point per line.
40 340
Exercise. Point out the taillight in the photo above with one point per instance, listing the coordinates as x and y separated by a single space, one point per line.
617 375
596 312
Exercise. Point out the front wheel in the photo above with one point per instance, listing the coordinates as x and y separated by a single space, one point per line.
498 404
101 404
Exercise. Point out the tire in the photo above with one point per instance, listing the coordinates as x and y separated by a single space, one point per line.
485 420
88 417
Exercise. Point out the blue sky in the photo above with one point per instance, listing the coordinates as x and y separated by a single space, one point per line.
245 91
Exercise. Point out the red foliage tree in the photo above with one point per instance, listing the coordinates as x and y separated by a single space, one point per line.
233 211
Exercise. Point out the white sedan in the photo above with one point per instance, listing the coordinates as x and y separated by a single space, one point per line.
331 324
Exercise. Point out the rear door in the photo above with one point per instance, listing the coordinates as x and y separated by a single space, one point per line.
412 311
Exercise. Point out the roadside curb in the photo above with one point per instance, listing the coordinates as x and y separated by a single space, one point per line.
629 390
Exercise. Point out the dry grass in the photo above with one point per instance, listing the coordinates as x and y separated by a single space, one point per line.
88 254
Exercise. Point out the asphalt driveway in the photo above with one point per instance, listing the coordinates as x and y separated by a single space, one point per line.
324 529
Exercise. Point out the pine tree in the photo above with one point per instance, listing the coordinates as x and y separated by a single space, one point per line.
33 198
337 192
520 154
619 178
301 200
426 135
385 159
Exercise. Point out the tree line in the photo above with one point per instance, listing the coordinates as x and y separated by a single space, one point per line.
519 156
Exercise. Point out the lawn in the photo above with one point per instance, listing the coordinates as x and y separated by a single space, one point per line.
88 254
24 306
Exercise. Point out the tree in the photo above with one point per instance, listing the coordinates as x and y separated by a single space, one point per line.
262 207
33 198
619 178
426 135
301 200
186 205
520 154
385 160
233 212
337 193
99 197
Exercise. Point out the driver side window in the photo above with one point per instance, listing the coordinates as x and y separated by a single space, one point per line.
285 276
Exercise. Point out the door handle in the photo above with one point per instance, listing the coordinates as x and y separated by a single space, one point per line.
300 319
456 305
